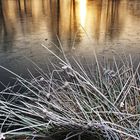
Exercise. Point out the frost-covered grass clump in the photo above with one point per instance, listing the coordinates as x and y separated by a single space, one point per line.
99 100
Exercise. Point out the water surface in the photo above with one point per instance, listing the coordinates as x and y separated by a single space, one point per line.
81 25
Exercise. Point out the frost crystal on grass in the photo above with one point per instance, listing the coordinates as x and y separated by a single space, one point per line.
48 95
2 137
64 67
66 83
44 110
121 104
90 124
41 79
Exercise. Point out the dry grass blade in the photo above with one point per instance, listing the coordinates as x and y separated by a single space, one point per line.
72 101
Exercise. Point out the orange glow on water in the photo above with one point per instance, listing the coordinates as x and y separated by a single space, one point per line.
83 10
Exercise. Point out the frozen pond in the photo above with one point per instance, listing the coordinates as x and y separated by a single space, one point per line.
81 25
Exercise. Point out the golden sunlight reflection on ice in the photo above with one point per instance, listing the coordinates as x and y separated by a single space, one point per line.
82 12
